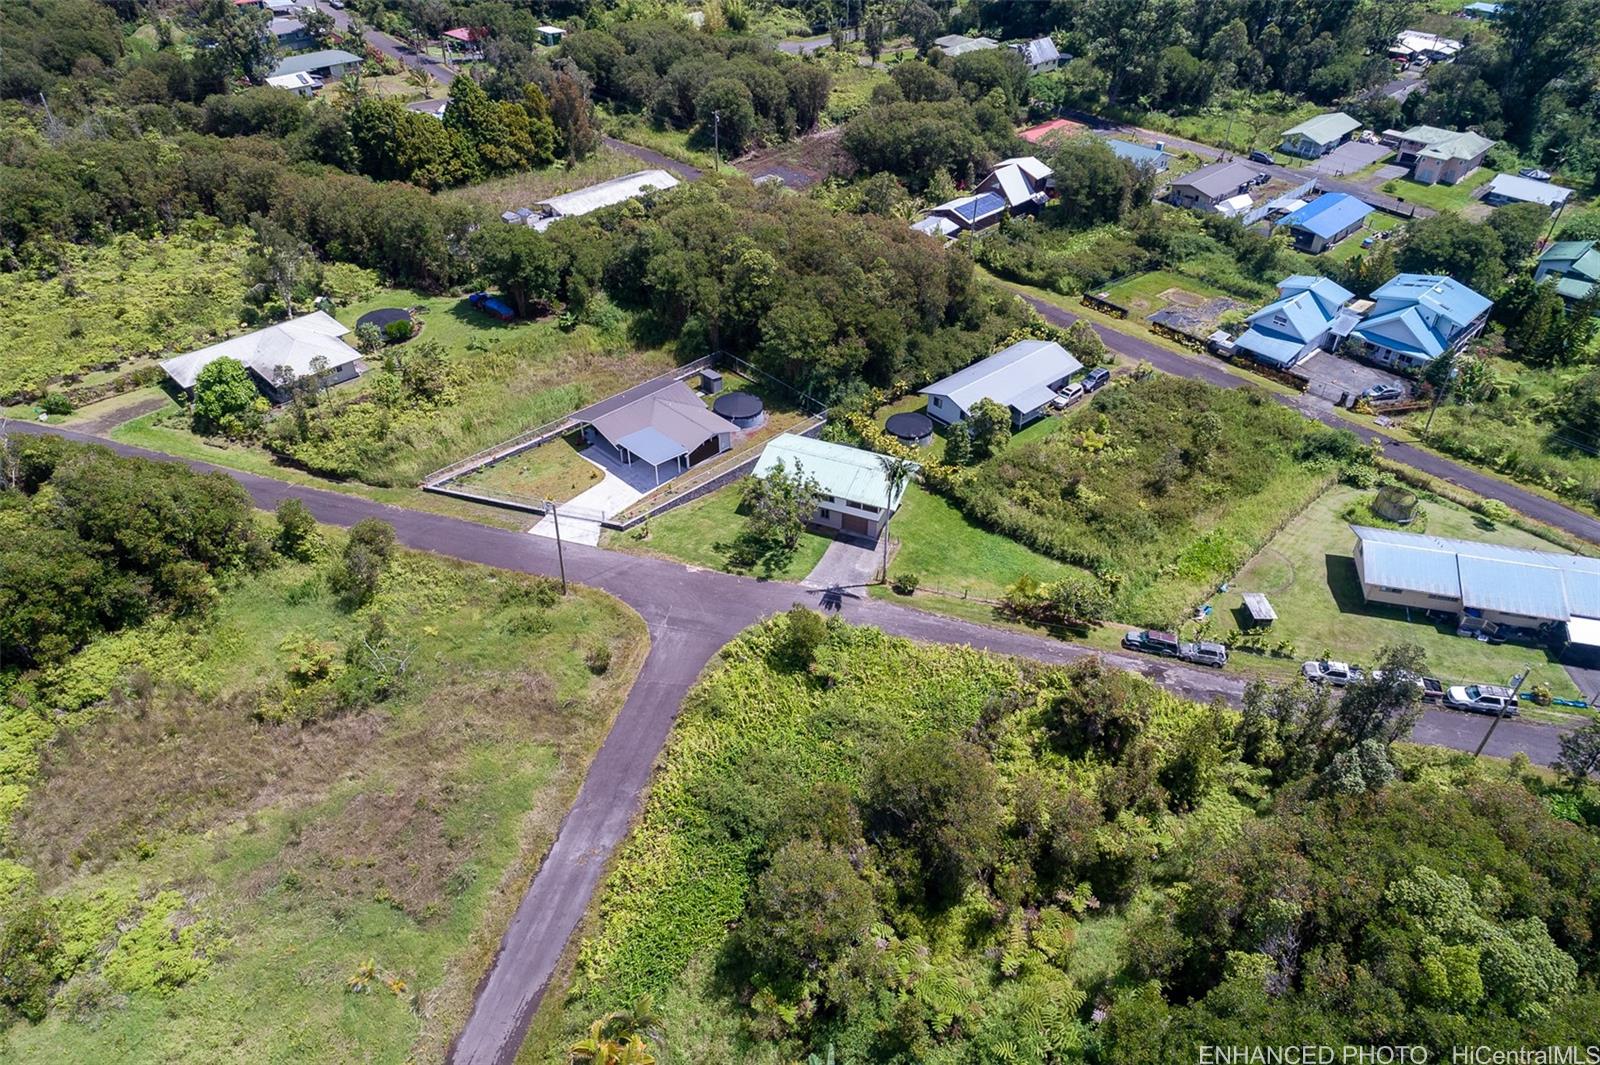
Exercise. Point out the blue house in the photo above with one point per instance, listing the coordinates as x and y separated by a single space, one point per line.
1415 318
1140 155
1308 314
1325 221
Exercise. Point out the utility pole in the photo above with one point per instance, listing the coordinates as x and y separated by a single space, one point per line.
716 140
561 558
1519 678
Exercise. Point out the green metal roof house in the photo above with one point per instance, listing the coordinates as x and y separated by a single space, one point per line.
852 491
1574 265
1316 137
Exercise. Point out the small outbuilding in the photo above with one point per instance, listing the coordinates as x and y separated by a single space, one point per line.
910 427
710 382
1259 609
743 409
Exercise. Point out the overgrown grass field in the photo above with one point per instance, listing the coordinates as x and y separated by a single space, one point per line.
341 885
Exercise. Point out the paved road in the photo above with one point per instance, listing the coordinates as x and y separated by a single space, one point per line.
393 47
806 46
1394 205
691 613
1209 370
682 171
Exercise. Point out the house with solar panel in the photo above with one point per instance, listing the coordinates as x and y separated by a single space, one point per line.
1488 588
1574 266
1310 314
1415 318
669 429
975 213
1024 378
1316 137
1023 181
1324 222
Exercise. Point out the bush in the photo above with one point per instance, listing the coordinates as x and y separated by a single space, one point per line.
56 404
395 332
297 531
803 632
366 556
905 583
598 659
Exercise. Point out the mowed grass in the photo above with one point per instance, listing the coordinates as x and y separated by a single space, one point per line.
400 835
1142 294
551 471
1350 247
702 533
1308 574
1439 197
528 188
954 557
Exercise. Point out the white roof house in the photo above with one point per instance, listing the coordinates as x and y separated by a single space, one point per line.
1041 54
1024 377
593 198
1409 43
936 226
954 44
296 344
1509 188
1021 181
300 82
841 471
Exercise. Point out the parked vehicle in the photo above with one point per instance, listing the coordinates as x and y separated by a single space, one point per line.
1067 397
1386 393
1096 378
1152 643
1327 671
1534 173
1432 688
1259 156
1204 653
1482 699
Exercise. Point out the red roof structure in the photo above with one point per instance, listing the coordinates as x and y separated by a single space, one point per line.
465 34
1056 127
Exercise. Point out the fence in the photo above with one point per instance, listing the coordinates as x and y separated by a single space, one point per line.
1103 305
548 431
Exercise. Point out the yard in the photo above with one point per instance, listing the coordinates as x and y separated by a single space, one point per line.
702 533
1455 197
552 471
1247 121
350 877
528 188
1376 222
1161 290
1307 573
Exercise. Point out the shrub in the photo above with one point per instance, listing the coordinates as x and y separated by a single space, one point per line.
905 583
803 632
55 403
598 659
395 332
366 556
297 531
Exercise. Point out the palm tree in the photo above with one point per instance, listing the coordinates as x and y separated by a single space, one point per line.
896 472
351 89
422 79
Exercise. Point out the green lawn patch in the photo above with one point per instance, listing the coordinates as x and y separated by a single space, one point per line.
1439 197
702 533
385 846
551 471
955 558
1241 123
1350 247
1146 294
1307 573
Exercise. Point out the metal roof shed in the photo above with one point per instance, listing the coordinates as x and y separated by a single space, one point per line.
1259 609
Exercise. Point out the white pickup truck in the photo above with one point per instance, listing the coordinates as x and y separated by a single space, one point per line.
1326 671
1482 699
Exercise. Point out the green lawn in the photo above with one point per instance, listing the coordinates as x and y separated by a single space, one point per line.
1439 197
529 187
551 471
1240 124
1307 573
701 533
398 835
1350 247
1142 295
955 558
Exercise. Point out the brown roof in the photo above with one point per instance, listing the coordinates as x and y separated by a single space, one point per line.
674 411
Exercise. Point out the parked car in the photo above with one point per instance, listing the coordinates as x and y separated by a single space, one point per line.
1432 688
1204 653
1152 643
1067 397
1534 173
1259 156
1482 699
1096 378
1384 393
1327 671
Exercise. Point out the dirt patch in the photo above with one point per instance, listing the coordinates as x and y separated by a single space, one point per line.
1182 297
799 163
1192 314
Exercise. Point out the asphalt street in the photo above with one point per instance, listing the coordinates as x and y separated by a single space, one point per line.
691 613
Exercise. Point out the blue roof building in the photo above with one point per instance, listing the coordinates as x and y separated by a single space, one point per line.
1308 314
1141 155
1325 221
1415 318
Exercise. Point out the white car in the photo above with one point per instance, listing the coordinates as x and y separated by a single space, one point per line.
1482 699
1326 671
1067 397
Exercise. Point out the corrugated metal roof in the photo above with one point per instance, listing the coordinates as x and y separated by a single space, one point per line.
1402 330
295 344
1527 190
328 57
1411 568
1297 317
651 445
840 471
1444 296
609 193
1217 179
1137 154
1534 591
1328 215
673 410
1008 376
1268 348
1324 129
1329 294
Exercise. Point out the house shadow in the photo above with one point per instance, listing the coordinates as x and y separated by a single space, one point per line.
1345 584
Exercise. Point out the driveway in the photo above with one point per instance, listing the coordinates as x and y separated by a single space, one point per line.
580 516
1332 375
690 613
849 562
1349 157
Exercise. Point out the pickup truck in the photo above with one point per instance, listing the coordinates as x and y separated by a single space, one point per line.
1482 699
1153 643
1204 653
1326 671
1432 689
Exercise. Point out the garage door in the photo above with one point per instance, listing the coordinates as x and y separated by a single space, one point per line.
853 524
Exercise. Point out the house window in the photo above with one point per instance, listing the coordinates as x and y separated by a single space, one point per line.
824 512
1393 591
869 508
1443 598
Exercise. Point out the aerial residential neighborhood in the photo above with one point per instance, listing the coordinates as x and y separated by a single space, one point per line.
565 532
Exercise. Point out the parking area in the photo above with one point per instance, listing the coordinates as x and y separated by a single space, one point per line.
1332 376
1348 158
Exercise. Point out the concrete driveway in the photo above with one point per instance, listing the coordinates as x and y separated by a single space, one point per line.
1350 157
849 562
1330 375
580 516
